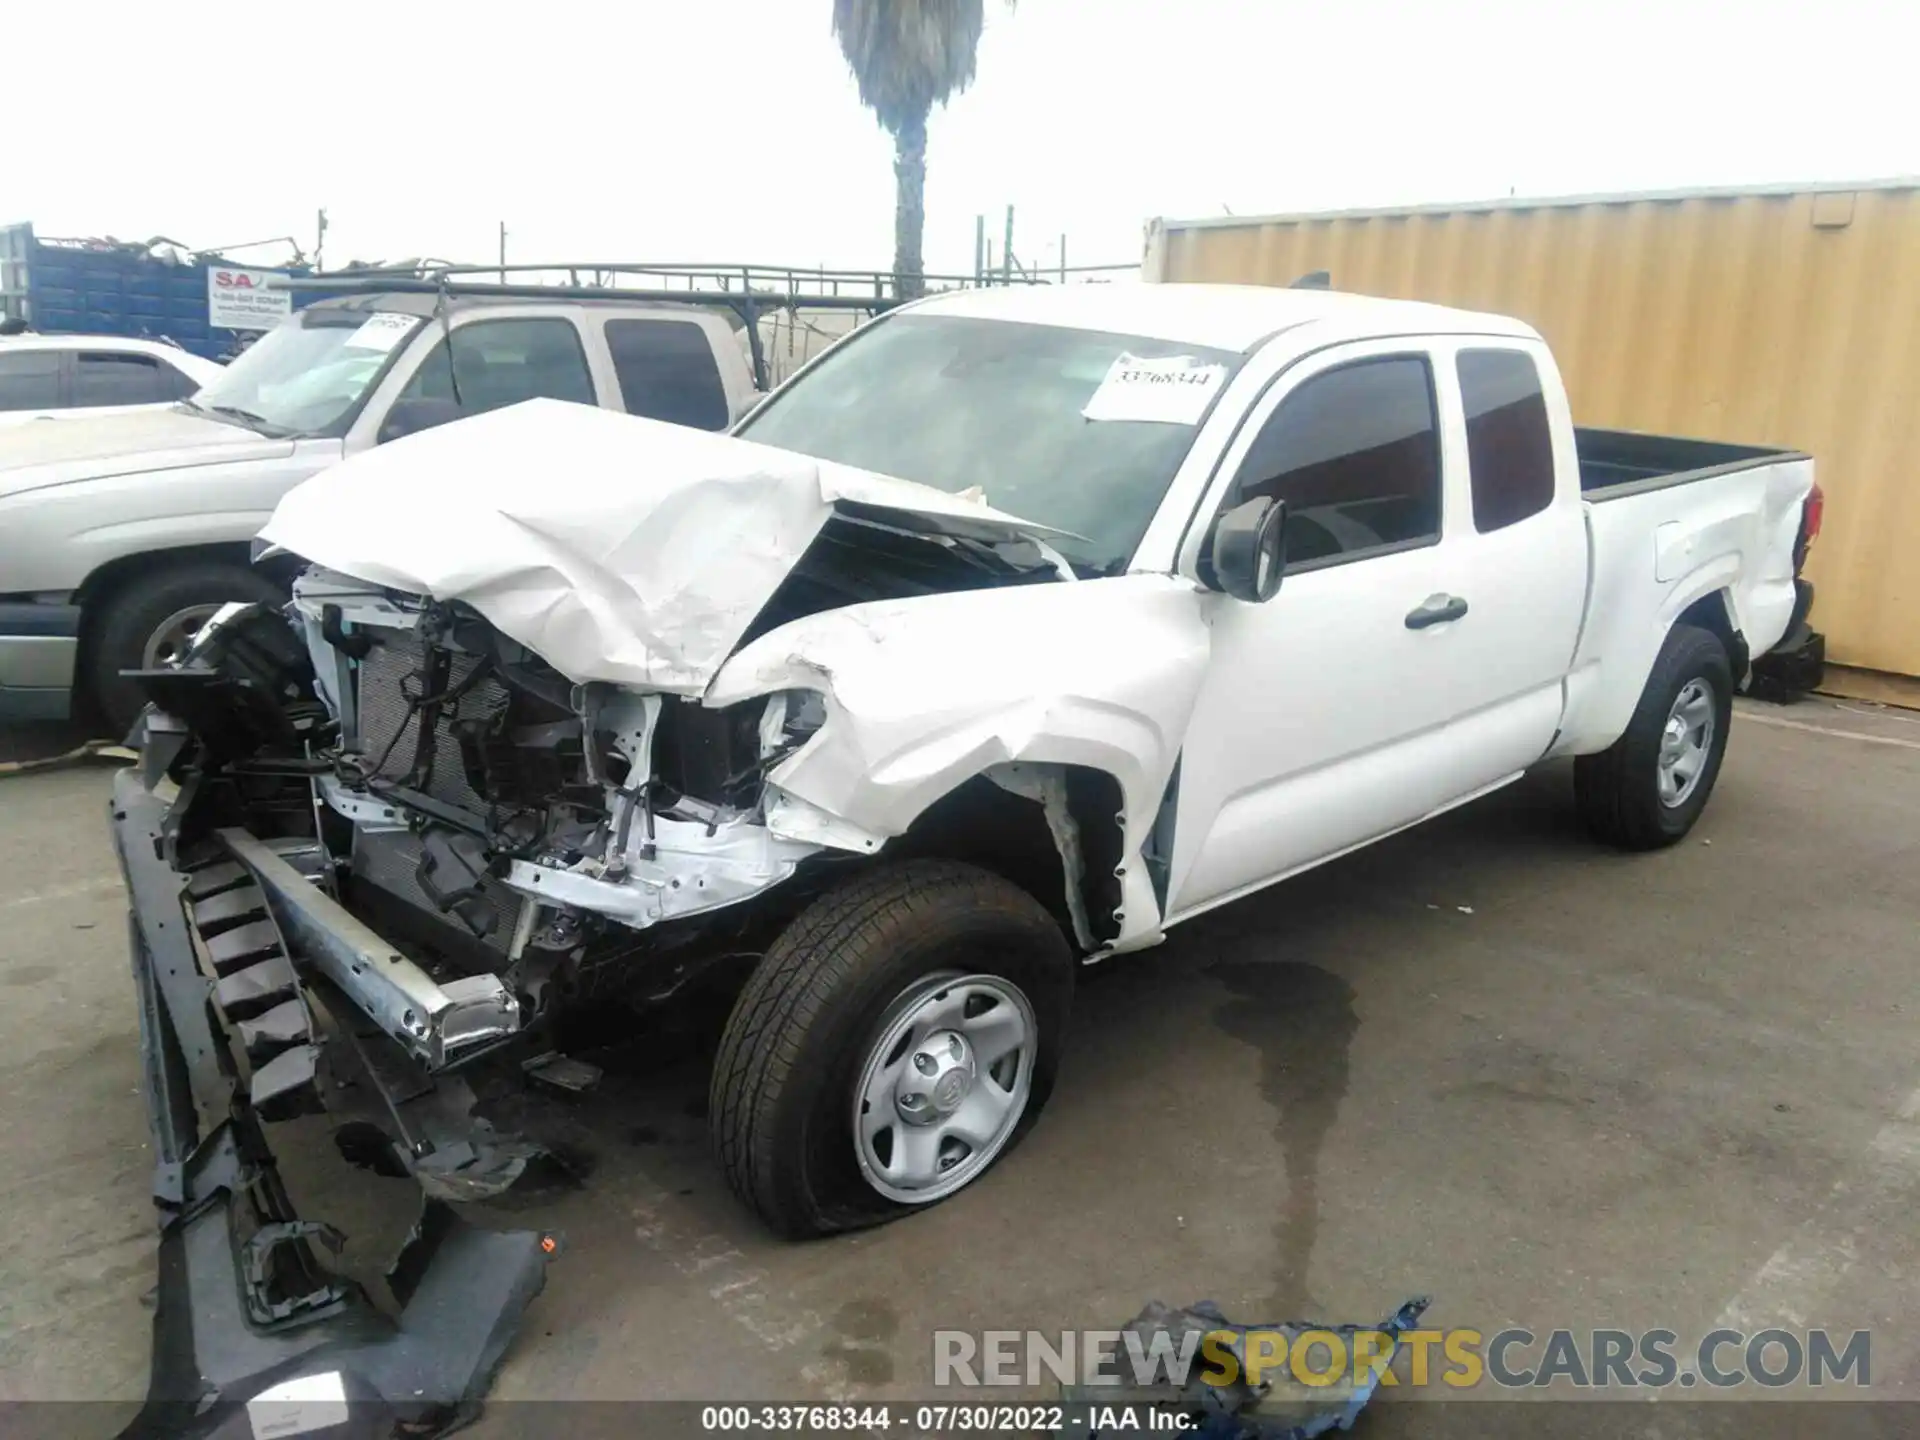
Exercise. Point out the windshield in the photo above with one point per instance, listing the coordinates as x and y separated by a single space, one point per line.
1004 409
309 373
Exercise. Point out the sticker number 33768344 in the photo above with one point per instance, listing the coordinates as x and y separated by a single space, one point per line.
1174 390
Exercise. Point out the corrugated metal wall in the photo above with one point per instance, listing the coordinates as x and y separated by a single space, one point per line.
1789 319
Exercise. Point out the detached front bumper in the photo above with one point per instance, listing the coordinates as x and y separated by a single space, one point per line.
39 647
249 1320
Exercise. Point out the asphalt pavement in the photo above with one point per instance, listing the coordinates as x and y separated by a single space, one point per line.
1488 1061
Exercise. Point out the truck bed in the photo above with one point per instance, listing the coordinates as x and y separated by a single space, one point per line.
1615 463
1679 531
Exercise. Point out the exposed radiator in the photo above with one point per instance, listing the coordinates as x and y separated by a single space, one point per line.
389 859
387 677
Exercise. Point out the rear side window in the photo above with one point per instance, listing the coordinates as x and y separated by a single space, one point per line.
1355 453
105 377
30 380
667 372
1509 443
502 362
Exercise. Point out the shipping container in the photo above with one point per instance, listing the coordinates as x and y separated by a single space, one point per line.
1776 316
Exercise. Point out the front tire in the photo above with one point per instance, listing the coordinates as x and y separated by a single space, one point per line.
149 621
1648 788
874 1061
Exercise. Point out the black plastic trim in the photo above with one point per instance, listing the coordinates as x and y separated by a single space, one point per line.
30 619
243 1300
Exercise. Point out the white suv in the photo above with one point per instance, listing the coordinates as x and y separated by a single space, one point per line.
81 375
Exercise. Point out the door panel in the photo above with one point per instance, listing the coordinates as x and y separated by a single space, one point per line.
1415 654
1301 744
1316 724
1523 557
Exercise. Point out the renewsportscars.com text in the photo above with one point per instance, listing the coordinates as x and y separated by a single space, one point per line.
1460 1359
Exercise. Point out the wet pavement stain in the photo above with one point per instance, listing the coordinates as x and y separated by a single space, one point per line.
1302 1021
863 1339
27 974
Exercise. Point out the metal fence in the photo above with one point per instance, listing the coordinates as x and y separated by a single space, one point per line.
787 313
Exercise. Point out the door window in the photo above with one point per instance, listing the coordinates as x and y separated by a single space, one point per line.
1355 453
667 372
1509 442
502 362
106 377
30 380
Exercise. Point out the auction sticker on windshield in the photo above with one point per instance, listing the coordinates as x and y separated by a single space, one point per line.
382 331
1173 391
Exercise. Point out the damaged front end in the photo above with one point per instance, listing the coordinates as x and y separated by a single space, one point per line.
528 842
353 889
373 847
381 840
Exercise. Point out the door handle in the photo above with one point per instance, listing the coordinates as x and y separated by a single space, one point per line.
1436 610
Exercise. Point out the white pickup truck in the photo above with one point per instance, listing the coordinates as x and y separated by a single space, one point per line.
1012 632
119 535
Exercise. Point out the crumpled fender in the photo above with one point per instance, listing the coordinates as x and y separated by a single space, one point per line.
925 693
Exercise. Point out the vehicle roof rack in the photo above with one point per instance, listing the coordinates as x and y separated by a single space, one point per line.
748 305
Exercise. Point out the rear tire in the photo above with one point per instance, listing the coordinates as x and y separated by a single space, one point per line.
784 1101
1640 793
127 629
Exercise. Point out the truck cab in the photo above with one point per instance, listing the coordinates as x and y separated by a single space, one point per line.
119 536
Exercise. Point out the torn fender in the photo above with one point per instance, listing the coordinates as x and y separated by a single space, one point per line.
923 694
616 548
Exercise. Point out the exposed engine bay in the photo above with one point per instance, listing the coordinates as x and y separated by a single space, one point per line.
517 822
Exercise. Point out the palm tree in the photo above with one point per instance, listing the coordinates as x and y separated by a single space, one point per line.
908 56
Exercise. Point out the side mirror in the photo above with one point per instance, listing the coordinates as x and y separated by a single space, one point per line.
1250 550
410 417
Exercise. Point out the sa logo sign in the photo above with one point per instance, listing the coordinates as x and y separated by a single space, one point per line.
234 280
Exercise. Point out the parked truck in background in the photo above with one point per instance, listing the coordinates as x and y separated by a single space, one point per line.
119 536
205 304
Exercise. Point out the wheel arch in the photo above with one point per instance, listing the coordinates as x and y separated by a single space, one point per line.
1602 695
1713 612
111 577
1056 830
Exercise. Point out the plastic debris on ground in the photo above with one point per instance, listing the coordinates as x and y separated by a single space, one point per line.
1280 1407
106 750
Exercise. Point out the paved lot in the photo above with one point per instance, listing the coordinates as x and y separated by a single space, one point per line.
1546 1084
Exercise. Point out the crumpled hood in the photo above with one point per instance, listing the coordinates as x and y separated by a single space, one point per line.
615 548
61 451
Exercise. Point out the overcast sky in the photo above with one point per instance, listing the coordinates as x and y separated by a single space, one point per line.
731 130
